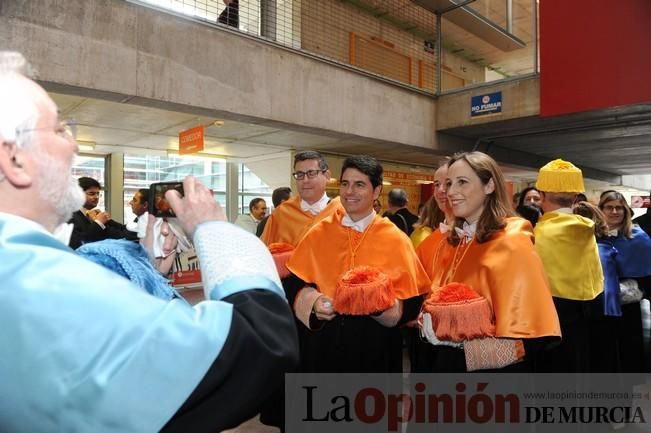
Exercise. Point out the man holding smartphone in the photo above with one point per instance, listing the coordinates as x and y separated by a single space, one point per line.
85 349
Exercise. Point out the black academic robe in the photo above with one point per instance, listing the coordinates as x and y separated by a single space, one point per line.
261 347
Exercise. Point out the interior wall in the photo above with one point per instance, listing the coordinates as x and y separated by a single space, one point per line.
594 54
327 25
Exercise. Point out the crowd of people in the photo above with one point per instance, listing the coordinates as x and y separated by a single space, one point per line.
553 287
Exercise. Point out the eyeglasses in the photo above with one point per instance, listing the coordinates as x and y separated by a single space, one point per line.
65 129
609 208
311 174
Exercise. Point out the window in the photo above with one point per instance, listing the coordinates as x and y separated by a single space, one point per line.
140 171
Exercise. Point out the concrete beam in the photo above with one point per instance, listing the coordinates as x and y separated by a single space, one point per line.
520 98
141 55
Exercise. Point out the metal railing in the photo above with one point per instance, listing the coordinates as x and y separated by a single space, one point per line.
394 40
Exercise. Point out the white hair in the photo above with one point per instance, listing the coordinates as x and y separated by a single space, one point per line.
17 112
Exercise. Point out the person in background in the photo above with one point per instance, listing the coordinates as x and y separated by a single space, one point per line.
257 210
278 196
633 264
488 257
231 14
398 212
377 206
606 326
567 246
289 223
140 203
90 224
531 196
644 221
430 218
85 349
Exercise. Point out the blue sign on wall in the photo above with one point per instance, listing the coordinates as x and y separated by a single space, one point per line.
481 105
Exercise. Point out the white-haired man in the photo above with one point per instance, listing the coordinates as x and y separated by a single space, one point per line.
106 356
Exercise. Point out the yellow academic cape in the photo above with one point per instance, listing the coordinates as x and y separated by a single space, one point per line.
507 271
329 250
419 235
288 223
567 246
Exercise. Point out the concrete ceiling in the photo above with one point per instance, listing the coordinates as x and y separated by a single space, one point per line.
607 143
122 127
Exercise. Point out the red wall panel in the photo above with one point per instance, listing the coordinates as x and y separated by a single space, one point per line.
594 54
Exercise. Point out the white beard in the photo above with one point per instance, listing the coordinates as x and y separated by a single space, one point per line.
58 188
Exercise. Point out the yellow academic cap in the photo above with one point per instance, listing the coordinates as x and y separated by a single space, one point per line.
560 176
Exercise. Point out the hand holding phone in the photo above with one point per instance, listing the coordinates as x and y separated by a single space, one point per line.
196 207
158 204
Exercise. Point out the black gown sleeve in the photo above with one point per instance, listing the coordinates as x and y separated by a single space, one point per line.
261 346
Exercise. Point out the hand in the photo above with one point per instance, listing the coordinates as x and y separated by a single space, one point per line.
323 308
196 207
102 217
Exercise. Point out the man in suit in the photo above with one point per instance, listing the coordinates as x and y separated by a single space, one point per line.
91 224
398 212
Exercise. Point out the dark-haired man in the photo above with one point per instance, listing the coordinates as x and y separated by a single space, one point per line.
289 223
91 224
257 210
140 203
347 240
398 212
278 196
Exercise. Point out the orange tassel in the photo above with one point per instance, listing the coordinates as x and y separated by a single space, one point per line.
362 291
459 313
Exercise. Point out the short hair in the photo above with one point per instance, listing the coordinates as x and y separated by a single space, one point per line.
397 197
144 195
307 155
497 206
562 199
627 224
367 165
281 194
88 182
21 114
253 203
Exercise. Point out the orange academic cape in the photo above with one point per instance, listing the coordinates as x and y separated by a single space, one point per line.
508 272
289 223
329 250
428 248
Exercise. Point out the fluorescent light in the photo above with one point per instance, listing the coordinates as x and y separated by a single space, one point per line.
85 145
172 152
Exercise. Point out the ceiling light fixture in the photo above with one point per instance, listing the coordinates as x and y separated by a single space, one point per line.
85 145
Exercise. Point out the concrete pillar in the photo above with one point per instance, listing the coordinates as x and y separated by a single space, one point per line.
114 187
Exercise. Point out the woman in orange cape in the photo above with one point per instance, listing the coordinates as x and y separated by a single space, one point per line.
491 252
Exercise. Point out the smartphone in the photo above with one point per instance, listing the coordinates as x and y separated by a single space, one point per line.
158 205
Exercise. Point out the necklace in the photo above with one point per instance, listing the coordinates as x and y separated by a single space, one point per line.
353 250
460 252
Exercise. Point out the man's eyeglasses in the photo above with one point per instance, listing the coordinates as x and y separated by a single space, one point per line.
64 129
311 174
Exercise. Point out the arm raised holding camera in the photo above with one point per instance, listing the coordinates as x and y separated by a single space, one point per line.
236 269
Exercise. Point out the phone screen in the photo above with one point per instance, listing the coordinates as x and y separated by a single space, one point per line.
158 205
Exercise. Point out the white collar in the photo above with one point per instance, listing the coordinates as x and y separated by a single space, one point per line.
468 230
361 225
317 207
564 210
